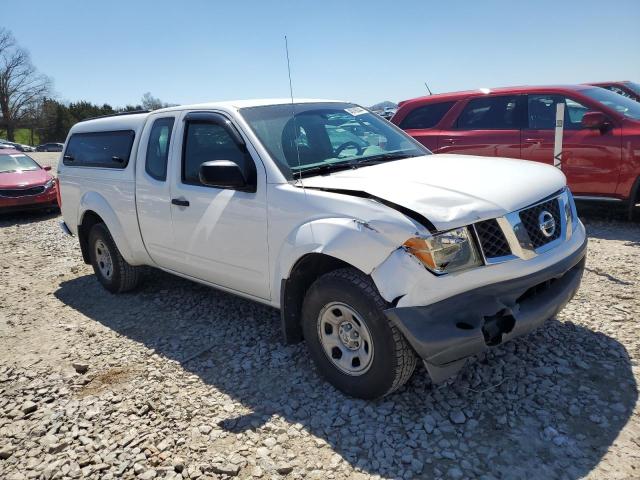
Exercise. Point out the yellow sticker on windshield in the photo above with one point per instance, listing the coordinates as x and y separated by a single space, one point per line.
355 111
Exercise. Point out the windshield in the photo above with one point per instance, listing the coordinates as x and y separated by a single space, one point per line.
623 105
325 135
633 86
15 163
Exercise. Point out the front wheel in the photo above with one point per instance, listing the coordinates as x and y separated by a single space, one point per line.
112 270
351 341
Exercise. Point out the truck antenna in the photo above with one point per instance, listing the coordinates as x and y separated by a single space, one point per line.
429 90
293 110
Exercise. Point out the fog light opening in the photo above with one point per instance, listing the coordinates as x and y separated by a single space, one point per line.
464 326
496 326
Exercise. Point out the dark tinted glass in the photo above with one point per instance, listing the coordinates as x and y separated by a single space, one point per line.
490 113
542 112
158 148
99 149
426 116
205 142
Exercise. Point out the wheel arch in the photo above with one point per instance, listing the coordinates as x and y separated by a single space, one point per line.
305 271
94 208
323 245
634 199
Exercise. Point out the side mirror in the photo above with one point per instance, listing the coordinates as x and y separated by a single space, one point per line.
595 120
47 168
223 174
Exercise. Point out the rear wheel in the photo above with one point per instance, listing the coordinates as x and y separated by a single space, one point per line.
112 270
351 341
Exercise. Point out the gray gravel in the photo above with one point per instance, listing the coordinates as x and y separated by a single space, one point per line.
178 381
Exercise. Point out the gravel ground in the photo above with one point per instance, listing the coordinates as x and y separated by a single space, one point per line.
177 380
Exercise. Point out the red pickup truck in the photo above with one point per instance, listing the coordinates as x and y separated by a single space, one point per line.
601 143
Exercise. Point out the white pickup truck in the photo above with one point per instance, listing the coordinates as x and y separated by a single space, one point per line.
376 252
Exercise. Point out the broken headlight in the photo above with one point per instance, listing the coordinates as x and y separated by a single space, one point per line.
445 252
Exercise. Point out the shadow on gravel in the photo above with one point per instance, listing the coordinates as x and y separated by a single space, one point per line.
27 216
545 406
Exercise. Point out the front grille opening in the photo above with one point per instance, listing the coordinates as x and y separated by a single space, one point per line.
531 222
536 290
496 326
22 192
492 240
464 326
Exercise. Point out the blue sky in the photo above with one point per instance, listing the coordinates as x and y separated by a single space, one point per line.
363 51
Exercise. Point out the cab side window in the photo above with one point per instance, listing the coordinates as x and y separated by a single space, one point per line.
491 113
542 112
204 142
99 149
158 148
427 116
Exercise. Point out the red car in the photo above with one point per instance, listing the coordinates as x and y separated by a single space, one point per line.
626 88
24 184
601 143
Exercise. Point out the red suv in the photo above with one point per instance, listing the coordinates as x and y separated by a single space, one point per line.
601 144
626 88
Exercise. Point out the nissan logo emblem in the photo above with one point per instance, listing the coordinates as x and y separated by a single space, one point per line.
546 223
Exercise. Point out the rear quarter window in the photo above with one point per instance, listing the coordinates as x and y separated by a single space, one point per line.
490 113
426 116
99 149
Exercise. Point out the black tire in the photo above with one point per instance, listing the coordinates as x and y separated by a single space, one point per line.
123 277
393 359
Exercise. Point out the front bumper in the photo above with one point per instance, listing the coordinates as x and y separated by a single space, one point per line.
445 333
46 199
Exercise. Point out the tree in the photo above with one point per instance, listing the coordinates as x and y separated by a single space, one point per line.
21 86
149 102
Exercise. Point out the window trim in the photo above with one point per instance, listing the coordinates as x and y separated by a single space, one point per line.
216 118
113 165
403 125
169 143
521 113
566 125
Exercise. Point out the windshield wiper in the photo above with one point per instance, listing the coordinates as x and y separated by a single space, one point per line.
323 169
352 164
383 157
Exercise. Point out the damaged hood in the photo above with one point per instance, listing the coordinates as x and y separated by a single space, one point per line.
447 189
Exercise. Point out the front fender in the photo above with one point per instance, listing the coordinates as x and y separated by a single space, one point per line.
364 245
93 201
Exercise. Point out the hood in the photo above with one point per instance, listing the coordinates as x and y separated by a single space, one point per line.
449 190
24 179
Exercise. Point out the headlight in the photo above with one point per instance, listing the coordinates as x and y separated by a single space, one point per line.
446 252
49 184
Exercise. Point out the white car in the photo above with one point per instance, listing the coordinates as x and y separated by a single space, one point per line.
376 252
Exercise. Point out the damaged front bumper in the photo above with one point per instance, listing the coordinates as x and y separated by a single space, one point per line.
445 333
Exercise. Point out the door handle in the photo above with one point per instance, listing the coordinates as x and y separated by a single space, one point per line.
180 202
533 140
449 140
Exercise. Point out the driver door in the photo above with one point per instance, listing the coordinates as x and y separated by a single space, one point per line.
590 157
220 234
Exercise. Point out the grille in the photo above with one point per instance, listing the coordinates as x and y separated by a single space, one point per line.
493 242
24 192
530 221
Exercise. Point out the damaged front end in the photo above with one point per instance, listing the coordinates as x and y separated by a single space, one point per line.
446 332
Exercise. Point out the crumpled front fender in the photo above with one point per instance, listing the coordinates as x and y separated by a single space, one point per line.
364 245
